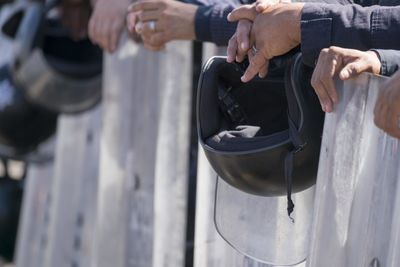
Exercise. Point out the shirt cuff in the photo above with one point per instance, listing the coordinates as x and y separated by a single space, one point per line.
211 24
202 23
390 60
315 33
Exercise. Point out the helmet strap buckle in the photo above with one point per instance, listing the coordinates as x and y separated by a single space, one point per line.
231 107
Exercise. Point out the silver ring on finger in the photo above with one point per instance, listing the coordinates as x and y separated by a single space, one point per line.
254 49
152 25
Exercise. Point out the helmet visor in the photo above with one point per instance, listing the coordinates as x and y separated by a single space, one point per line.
260 228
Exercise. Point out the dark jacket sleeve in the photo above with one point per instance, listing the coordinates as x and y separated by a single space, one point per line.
211 24
348 26
390 61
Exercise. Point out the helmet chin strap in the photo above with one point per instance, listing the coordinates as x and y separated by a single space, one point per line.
298 146
230 107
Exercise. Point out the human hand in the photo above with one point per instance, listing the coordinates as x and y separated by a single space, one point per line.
239 44
107 23
387 107
161 21
75 16
345 63
280 23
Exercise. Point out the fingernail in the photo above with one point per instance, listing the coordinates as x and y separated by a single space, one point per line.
243 46
345 74
328 108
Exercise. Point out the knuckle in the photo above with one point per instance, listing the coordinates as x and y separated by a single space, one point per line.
333 48
324 51
314 83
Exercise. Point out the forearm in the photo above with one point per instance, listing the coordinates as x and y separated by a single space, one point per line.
350 26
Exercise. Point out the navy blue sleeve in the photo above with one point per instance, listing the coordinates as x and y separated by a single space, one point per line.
211 24
348 26
390 61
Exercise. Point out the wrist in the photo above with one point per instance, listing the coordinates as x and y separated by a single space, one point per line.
375 61
297 9
188 14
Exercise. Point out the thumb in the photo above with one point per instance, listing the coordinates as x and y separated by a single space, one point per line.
351 70
243 12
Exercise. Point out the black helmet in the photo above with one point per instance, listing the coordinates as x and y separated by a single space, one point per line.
262 137
53 70
23 126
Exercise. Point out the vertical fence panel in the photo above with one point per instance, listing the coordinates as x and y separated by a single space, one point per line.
144 152
60 199
74 190
356 216
35 217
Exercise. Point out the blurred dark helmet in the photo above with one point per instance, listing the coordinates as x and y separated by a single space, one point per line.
23 126
5 2
262 137
49 73
53 70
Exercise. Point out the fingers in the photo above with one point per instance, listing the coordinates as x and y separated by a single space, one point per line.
257 62
232 49
351 70
131 20
243 12
105 33
321 91
387 108
322 79
114 36
153 48
146 5
94 30
104 36
155 40
243 39
239 43
151 27
264 70
149 15
381 115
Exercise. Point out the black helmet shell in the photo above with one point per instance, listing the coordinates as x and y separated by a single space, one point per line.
23 126
248 149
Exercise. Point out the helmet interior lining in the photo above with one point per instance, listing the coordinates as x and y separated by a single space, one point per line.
264 105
